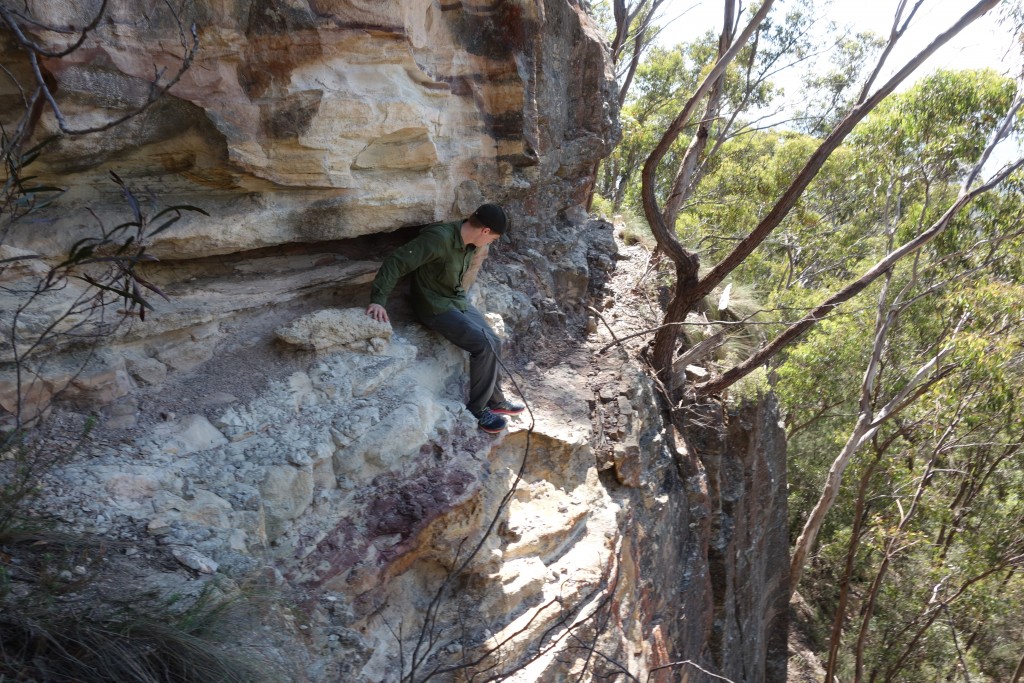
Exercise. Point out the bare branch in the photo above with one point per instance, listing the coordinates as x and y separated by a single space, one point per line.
895 34
687 662
12 20
662 233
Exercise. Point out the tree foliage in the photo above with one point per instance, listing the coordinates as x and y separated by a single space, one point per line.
926 530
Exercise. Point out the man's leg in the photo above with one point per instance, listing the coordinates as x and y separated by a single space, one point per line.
471 332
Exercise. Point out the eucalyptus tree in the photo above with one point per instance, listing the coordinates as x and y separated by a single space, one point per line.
902 224
953 111
929 531
690 285
661 83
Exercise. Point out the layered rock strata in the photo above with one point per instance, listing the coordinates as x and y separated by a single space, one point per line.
585 541
309 121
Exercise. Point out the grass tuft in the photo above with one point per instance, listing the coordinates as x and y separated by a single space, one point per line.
92 625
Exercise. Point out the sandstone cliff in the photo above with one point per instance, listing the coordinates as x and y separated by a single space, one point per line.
334 458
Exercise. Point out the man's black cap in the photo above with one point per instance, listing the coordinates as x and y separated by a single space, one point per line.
492 216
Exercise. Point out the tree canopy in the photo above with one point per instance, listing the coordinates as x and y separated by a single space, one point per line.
873 232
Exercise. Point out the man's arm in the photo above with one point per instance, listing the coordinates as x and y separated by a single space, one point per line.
474 267
424 248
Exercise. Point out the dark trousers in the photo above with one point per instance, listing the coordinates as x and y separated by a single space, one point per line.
471 332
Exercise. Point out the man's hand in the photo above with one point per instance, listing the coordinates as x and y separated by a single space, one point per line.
377 312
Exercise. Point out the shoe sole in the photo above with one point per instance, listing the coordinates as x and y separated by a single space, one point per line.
508 412
490 430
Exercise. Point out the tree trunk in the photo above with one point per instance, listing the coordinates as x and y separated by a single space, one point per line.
686 261
851 555
686 179
829 492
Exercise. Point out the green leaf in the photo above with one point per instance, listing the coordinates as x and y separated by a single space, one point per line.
163 226
181 207
150 286
124 292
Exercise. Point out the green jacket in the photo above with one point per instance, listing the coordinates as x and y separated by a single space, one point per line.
438 259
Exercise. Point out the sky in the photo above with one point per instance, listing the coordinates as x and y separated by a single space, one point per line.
984 43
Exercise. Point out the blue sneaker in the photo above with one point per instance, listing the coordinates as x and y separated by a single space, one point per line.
489 422
506 408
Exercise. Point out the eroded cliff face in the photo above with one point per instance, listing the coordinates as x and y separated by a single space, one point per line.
336 460
305 121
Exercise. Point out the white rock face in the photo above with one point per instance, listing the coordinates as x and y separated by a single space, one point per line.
188 434
392 441
201 507
286 491
193 560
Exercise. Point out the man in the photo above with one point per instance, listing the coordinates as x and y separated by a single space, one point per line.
438 259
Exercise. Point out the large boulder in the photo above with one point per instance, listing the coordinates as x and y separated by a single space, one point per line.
349 327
